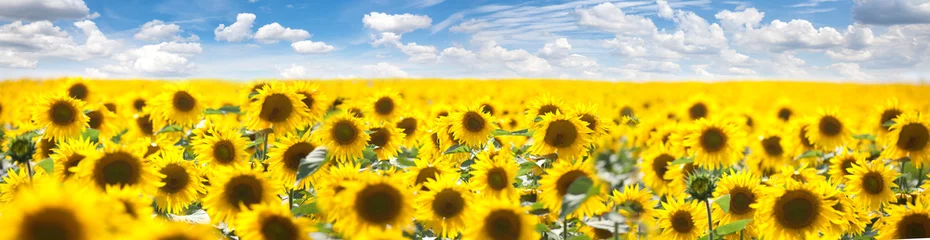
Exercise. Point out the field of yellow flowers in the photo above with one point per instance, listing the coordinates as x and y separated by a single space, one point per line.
462 159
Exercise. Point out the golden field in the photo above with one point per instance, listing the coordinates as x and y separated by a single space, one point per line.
462 159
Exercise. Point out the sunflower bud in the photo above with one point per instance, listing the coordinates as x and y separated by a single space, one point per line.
701 185
21 149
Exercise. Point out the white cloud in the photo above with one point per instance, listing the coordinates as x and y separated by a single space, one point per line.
11 59
610 18
641 64
163 59
850 70
849 55
238 31
97 43
457 54
891 12
627 46
693 35
556 49
748 18
577 61
95 73
796 34
158 31
33 10
295 71
386 39
732 57
308 47
24 44
395 23
274 32
425 3
664 10
419 53
741 71
383 70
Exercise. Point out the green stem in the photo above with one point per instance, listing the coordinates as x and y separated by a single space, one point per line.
616 231
290 198
29 170
740 234
920 175
565 229
903 185
710 222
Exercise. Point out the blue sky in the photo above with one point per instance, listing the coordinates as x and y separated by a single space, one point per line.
838 40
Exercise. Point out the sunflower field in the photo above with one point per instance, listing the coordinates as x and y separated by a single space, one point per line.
462 159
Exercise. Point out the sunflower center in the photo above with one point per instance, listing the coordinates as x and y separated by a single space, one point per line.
561 134
740 199
567 179
749 122
873 183
914 226
244 190
796 209
178 236
276 108
308 100
176 178
546 109
913 137
78 91
95 119
442 114
110 106
435 139
426 174
497 178
804 141
380 203
138 104
46 146
408 125
183 101
62 113
589 120
224 151
51 223
713 140
486 108
117 168
278 227
830 126
634 208
772 146
151 149
888 115
682 222
473 122
602 234
344 132
145 125
784 114
296 153
71 162
697 111
626 111
378 137
129 209
448 203
660 165
846 164
503 224
384 106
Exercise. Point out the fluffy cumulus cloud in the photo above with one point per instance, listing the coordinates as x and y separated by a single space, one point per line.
747 18
311 47
383 70
395 23
23 44
890 12
294 71
163 59
240 30
610 18
42 9
274 32
796 34
157 31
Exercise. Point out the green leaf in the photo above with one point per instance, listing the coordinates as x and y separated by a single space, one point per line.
306 209
119 137
253 94
169 128
228 109
579 237
810 154
537 119
92 134
499 132
542 228
683 160
405 162
731 228
457 149
724 203
311 163
538 209
48 165
525 168
578 192
888 124
522 132
864 136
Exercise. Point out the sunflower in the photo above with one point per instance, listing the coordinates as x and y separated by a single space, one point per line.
234 190
493 174
803 174
413 126
78 88
768 153
744 190
374 203
796 139
16 181
121 166
853 219
272 221
884 113
841 164
783 110
910 221
635 203
284 159
53 212
656 163
828 131
470 125
589 115
131 203
545 104
599 234
177 104
163 230
794 211
871 183
313 99
45 147
385 140
332 181
182 181
61 116
499 219
385 105
103 120
344 136
276 107
715 144
425 169
676 176
143 125
562 134
69 154
224 147
908 138
556 181
681 219
381 234
698 107
445 207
